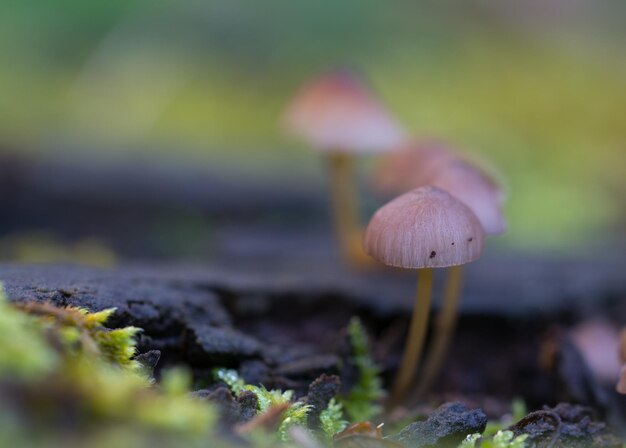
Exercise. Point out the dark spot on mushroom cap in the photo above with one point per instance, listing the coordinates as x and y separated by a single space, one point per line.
432 254
470 239
453 244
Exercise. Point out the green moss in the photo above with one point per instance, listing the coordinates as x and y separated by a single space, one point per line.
84 372
24 352
82 332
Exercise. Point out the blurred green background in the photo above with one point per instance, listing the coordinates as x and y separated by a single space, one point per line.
538 87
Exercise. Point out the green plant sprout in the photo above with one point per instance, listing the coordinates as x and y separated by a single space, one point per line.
363 401
360 404
295 414
331 420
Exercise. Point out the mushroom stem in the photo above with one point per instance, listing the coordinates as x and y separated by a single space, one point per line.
345 207
416 337
444 329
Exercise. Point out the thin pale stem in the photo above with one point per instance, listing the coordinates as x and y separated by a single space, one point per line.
416 337
444 329
345 207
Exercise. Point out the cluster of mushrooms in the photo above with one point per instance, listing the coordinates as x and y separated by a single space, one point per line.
444 207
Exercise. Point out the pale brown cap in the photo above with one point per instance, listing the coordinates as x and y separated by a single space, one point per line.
476 190
424 228
597 340
432 162
411 165
337 112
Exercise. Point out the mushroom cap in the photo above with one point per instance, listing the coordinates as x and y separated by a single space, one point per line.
597 340
479 192
424 228
337 112
434 163
411 165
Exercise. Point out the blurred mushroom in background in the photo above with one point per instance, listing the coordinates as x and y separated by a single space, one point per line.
338 115
598 343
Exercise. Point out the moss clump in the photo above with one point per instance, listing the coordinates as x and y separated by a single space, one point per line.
83 333
67 380
24 351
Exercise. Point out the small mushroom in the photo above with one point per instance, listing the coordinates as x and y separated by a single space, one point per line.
433 162
338 115
476 190
484 197
416 231
410 166
598 342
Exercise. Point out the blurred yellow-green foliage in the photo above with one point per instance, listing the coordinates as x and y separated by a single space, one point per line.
41 247
539 87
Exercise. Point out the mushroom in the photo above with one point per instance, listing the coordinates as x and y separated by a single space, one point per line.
423 229
432 162
484 197
598 342
337 115
476 190
410 166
